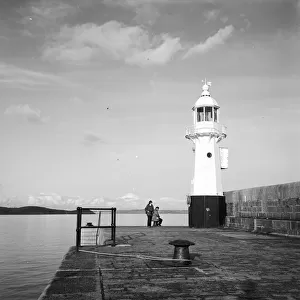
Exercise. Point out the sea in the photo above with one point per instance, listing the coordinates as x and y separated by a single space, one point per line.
32 248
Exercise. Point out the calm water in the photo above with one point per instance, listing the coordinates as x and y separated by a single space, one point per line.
32 247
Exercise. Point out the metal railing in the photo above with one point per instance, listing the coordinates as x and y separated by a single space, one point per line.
217 129
98 227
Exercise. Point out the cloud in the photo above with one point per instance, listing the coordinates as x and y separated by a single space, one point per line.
157 56
13 201
53 200
131 44
129 201
47 200
129 197
16 77
96 202
217 39
91 138
211 15
56 201
26 113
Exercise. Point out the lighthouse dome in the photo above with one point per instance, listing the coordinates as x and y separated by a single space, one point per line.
205 99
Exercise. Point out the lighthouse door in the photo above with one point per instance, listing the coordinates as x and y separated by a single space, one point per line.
211 211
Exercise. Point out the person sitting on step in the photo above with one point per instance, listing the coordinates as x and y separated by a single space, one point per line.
157 220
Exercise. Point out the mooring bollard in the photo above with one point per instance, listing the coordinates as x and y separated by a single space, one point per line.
181 250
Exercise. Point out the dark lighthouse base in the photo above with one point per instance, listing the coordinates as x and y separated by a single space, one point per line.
207 211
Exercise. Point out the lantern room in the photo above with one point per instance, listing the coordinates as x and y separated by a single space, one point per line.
206 108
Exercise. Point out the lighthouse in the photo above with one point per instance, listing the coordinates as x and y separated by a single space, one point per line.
206 201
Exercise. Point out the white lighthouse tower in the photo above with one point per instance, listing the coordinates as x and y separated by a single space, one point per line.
207 203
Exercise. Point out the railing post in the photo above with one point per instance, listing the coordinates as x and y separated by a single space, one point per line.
114 228
98 229
113 225
78 228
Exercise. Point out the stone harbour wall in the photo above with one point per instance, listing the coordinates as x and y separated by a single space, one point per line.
268 209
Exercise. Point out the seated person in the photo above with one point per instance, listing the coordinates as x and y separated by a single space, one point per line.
157 220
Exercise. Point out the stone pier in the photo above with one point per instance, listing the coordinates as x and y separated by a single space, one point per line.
225 264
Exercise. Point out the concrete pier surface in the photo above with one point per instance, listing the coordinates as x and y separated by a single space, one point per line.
225 264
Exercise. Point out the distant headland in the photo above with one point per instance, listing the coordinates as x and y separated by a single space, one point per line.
38 210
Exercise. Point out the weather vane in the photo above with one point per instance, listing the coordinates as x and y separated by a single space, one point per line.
206 85
206 82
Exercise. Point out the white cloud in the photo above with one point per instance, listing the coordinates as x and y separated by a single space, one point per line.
26 112
129 201
56 201
129 197
95 202
47 200
131 44
157 56
217 39
13 201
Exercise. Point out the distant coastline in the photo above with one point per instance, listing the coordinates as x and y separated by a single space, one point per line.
38 210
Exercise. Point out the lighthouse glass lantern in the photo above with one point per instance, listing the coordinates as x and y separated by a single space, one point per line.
207 202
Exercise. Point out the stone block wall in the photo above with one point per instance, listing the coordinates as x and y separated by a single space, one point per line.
274 208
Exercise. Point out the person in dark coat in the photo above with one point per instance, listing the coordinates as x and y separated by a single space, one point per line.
149 209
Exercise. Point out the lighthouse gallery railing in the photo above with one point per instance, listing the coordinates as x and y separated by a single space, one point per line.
217 129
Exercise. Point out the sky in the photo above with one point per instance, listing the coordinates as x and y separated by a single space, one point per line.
95 97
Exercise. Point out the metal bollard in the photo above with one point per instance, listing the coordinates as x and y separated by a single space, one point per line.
181 250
